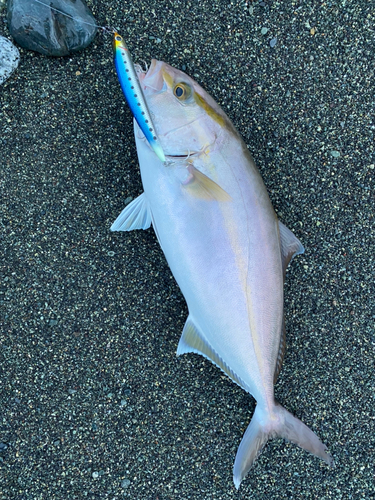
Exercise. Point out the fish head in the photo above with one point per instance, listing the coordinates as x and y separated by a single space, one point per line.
187 118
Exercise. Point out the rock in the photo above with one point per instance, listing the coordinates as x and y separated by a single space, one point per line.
9 58
37 27
273 42
335 154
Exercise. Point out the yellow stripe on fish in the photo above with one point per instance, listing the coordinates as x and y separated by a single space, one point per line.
184 92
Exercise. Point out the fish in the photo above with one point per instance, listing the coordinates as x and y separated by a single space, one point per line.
225 246
132 91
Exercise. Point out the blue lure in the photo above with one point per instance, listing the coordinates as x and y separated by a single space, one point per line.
133 93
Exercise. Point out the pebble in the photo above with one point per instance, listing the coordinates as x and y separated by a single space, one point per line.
273 42
9 58
264 31
125 483
39 28
335 154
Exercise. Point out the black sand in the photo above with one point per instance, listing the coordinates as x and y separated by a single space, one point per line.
93 401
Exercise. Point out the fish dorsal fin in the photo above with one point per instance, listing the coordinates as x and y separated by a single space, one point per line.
136 215
290 246
280 355
192 340
201 186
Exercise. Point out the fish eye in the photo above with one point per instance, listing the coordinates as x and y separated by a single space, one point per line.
118 38
182 91
179 91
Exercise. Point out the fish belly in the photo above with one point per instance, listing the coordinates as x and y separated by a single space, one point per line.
225 257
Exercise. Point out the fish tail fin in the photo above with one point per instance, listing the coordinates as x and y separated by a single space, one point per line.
268 425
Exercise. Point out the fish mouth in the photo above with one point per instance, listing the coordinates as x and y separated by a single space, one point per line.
182 157
172 156
152 80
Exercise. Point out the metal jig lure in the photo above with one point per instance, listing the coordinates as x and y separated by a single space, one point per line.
133 93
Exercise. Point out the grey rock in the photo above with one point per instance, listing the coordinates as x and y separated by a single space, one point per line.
273 42
9 58
335 154
37 27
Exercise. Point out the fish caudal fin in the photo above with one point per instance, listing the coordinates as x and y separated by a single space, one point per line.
278 423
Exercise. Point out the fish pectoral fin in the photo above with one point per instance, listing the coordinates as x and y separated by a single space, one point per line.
136 215
290 246
193 340
201 186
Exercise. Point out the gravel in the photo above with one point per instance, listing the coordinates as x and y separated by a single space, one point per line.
94 403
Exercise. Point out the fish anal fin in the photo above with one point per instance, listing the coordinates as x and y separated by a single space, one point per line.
280 355
136 215
193 340
290 246
201 186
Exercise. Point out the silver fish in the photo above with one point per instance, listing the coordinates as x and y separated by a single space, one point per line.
225 246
